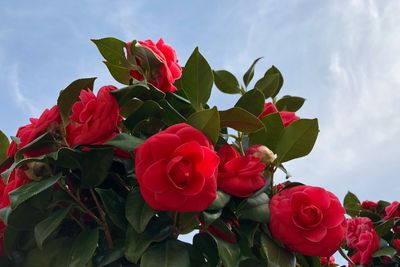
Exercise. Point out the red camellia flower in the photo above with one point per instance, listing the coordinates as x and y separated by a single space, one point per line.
392 211
355 227
368 243
308 220
94 119
287 117
168 73
396 245
177 169
239 175
369 205
327 261
48 121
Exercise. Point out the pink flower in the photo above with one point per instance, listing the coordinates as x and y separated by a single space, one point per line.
368 243
355 227
392 211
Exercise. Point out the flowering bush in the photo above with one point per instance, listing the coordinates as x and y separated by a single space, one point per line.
114 178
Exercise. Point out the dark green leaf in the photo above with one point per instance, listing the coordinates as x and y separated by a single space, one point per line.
147 109
210 216
228 253
271 83
149 61
125 142
226 82
255 208
386 251
102 158
44 140
385 227
70 94
206 245
3 146
220 202
240 119
248 76
297 139
270 134
197 79
171 116
290 103
248 230
120 74
382 205
31 189
108 256
252 101
137 212
276 255
113 205
352 204
171 253
112 50
207 121
44 229
136 91
44 257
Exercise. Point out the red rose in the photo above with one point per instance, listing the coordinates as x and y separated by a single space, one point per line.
177 169
308 220
239 175
368 243
392 211
327 261
94 119
287 117
369 205
355 227
168 73
49 121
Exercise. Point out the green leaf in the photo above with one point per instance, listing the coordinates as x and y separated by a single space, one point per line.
297 139
206 245
270 134
171 253
290 103
70 94
255 208
147 109
44 140
120 73
206 121
112 50
228 253
385 227
79 251
220 202
276 255
125 142
271 83
102 158
252 101
197 79
44 229
4 143
248 76
240 120
226 82
352 204
171 116
44 257
149 61
109 256
386 251
248 231
211 216
137 211
137 244
31 189
308 261
114 206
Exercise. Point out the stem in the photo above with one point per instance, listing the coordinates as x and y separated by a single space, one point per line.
78 222
344 255
103 218
175 218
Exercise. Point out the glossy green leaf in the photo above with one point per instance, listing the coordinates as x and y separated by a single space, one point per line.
276 255
44 257
226 82
106 257
297 139
44 140
70 94
271 83
240 119
112 49
207 121
252 101
255 208
147 109
248 76
113 206
290 103
220 201
120 73
352 204
149 61
197 80
270 134
125 142
171 253
385 227
137 211
44 229
31 189
210 216
386 251
171 115
102 158
228 253
205 244
4 143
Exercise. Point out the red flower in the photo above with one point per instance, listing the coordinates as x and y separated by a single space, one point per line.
177 169
94 119
168 73
308 220
392 211
355 227
2 230
369 205
239 175
396 245
287 117
368 243
49 121
327 261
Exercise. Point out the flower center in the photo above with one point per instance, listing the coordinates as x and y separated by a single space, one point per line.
308 217
179 171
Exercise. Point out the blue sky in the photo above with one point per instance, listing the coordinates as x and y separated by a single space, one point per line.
343 56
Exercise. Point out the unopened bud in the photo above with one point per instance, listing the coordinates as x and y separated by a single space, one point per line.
263 153
36 170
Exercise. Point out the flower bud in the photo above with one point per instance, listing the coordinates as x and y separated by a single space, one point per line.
36 170
263 153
